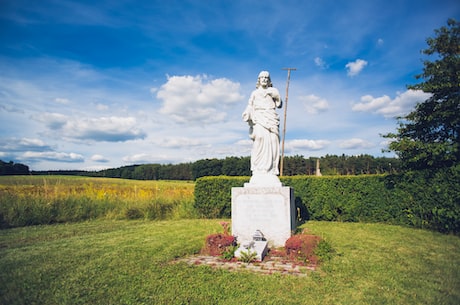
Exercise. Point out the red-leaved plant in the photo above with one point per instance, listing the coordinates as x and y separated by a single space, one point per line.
217 244
301 247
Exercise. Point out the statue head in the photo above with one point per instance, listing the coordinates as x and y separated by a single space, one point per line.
264 75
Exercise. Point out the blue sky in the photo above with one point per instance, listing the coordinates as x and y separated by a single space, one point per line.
91 85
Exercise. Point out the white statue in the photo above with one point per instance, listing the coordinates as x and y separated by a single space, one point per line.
264 130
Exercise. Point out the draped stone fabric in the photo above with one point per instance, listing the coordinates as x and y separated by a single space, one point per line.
264 127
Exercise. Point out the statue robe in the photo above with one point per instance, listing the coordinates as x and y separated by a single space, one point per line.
264 130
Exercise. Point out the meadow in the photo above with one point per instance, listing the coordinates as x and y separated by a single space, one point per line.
115 257
34 200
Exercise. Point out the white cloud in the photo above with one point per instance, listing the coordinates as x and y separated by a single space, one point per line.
99 158
304 144
147 158
102 107
189 99
52 120
314 104
355 143
355 67
384 105
34 142
178 142
23 144
320 63
370 104
110 129
52 156
63 101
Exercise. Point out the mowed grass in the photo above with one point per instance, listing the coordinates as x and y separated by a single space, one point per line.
129 262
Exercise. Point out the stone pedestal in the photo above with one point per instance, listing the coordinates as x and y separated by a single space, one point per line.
268 209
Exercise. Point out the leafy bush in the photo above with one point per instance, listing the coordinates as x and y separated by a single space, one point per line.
432 199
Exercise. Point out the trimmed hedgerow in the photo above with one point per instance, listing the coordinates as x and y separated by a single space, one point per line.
348 198
419 199
213 195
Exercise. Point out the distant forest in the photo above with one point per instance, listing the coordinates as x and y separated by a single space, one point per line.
12 168
230 166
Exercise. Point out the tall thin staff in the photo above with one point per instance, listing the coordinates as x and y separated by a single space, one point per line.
285 114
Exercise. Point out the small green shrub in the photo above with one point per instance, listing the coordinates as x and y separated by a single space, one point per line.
229 252
324 251
247 256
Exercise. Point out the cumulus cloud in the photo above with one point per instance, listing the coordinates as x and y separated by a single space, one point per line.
195 99
355 143
52 156
147 158
109 129
178 142
384 105
314 104
31 150
99 158
304 144
53 121
243 146
355 67
23 144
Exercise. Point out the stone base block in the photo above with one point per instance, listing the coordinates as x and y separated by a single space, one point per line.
268 209
258 247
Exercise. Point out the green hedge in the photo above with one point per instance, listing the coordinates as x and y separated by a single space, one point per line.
213 195
419 199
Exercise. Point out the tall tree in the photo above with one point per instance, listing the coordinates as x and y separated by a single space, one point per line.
428 137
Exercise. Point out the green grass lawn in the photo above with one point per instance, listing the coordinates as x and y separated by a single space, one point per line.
128 262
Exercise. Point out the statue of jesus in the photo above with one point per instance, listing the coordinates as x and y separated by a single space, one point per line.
264 130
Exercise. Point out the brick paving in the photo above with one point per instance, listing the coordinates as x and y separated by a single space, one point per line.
270 265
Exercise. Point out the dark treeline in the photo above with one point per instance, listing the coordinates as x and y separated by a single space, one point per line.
240 166
12 168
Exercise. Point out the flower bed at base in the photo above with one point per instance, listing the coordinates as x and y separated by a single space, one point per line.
298 255
296 258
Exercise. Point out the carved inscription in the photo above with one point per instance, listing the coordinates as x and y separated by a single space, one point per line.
260 208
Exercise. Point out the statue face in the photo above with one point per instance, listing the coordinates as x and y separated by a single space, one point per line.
264 80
